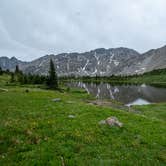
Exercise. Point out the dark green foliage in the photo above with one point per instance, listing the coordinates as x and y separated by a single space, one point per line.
19 77
17 69
156 72
52 81
155 77
25 79
32 79
27 90
68 89
12 79
1 71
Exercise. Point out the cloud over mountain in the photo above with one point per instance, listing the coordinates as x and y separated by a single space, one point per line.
29 29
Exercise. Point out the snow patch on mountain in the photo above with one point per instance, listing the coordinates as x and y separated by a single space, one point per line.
85 65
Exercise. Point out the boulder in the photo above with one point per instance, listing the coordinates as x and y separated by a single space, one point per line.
113 121
102 122
71 116
56 100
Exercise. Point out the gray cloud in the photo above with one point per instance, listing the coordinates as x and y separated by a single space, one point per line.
30 29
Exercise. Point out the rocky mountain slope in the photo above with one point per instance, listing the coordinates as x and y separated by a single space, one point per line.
103 62
10 63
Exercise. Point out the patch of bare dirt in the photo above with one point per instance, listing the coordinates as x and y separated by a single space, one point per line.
106 103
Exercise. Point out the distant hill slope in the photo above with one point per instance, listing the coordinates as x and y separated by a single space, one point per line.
103 62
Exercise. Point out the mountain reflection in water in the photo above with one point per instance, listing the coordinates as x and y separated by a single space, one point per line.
124 93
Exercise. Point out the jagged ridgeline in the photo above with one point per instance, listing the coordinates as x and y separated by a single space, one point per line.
100 62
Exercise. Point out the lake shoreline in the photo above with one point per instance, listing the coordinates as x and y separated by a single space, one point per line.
128 94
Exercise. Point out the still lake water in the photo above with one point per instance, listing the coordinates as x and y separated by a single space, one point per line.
126 94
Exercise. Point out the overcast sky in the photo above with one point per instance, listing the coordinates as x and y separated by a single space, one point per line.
32 28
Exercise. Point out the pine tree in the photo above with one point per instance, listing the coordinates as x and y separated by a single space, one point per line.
52 81
1 72
17 69
19 76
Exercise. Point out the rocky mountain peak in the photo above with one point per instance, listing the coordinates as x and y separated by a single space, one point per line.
101 61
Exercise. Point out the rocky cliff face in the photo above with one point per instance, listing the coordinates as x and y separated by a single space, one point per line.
11 63
102 62
154 59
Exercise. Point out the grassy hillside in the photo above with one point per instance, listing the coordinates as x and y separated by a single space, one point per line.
156 80
153 77
34 130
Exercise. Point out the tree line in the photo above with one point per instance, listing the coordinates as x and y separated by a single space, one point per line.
50 80
113 78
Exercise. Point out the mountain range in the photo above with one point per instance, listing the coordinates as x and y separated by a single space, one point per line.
101 62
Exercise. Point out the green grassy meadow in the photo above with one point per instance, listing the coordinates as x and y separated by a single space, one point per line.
34 130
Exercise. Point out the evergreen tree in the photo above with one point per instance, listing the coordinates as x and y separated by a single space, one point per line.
17 69
52 81
19 76
1 71
12 79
